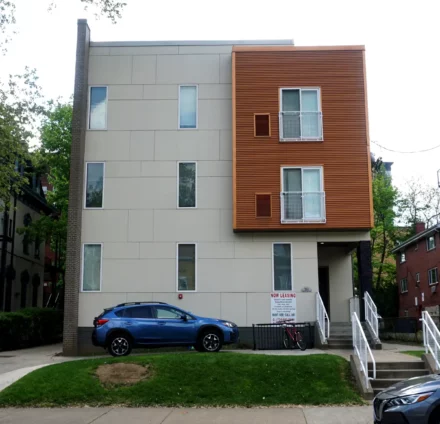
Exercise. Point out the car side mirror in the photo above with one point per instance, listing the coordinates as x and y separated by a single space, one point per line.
184 318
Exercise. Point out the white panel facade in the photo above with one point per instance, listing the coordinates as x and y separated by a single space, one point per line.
140 223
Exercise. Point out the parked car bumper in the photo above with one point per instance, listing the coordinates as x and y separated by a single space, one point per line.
95 339
232 336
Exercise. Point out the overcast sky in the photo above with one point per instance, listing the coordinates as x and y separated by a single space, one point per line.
401 39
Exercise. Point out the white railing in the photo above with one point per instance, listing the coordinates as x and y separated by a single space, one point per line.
322 318
354 305
431 338
302 206
371 314
361 347
300 126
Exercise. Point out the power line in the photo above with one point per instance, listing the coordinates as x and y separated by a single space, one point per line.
397 151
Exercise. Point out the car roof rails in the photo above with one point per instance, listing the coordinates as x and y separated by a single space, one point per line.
139 303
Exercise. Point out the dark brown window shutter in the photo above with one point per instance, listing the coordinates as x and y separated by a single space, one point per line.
263 206
262 125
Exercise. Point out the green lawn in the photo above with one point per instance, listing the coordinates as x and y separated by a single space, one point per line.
416 353
193 379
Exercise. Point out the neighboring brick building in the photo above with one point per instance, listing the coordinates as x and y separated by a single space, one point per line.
418 260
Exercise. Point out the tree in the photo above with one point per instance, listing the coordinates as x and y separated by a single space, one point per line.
420 203
20 109
52 158
109 8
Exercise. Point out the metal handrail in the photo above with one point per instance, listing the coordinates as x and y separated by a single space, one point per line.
361 348
371 314
298 120
322 318
430 329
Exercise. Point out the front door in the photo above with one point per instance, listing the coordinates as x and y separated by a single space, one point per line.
172 329
324 287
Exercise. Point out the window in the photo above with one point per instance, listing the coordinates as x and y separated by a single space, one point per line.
37 248
302 198
430 243
263 205
165 312
138 312
94 185
92 259
432 276
405 313
98 108
188 106
261 125
186 267
403 285
402 257
187 184
282 266
417 277
27 220
300 114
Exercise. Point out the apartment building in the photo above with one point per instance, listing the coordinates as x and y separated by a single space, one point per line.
417 261
22 257
230 178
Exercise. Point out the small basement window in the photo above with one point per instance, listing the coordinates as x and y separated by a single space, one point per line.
263 205
261 125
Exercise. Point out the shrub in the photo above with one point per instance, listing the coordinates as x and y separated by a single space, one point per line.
30 327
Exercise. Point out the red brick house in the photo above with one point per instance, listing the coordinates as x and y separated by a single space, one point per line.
418 260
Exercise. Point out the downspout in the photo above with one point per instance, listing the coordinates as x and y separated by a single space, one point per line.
8 298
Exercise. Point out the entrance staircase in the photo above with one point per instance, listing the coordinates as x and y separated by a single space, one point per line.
341 336
389 373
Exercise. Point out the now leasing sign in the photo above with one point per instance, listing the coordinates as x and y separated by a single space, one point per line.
282 306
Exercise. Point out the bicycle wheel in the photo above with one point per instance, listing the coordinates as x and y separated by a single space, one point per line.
300 342
287 341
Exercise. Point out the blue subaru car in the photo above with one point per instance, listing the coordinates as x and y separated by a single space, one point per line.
156 324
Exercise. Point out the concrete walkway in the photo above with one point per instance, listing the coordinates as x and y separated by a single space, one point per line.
295 415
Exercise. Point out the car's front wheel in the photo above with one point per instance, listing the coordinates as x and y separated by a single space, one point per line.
120 345
209 341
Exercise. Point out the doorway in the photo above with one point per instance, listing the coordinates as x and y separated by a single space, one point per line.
324 287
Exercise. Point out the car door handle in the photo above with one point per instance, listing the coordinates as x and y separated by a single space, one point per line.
127 323
161 322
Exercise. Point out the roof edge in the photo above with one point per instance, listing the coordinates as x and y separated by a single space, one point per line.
191 43
294 48
416 237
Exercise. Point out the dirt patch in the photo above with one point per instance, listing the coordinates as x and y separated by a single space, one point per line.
122 374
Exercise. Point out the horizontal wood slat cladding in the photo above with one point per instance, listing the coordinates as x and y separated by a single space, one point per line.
344 153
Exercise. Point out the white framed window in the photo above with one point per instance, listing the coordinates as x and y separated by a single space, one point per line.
98 108
91 267
432 276
302 196
417 277
187 185
300 116
402 257
430 242
186 255
94 185
188 106
403 285
282 271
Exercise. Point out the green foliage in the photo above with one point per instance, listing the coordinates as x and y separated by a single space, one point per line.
30 327
192 379
20 109
52 158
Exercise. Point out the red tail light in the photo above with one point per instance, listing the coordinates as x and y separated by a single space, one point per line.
100 322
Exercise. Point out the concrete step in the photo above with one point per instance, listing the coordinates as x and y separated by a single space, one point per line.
401 374
341 337
384 382
410 365
347 346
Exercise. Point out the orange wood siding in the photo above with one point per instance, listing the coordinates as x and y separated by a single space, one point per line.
258 74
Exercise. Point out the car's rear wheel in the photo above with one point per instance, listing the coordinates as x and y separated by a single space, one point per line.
209 341
120 344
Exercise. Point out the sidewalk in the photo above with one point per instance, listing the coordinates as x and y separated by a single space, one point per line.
295 415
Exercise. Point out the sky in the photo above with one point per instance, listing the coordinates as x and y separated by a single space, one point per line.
401 40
